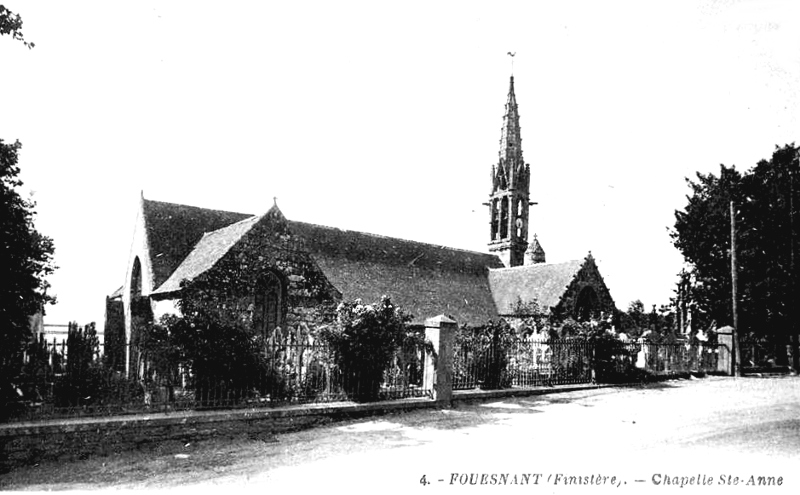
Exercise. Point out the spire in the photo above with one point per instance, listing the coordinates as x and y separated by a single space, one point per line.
509 200
535 252
510 139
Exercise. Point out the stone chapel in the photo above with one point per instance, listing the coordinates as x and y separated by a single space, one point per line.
292 274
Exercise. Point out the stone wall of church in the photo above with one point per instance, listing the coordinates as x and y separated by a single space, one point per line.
307 299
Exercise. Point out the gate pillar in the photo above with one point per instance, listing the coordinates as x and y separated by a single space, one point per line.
440 332
725 349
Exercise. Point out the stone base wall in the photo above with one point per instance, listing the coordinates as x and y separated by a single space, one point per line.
79 438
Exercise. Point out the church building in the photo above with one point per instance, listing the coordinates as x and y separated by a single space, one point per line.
290 275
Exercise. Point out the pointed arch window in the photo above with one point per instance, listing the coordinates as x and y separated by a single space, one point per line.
136 279
268 301
588 304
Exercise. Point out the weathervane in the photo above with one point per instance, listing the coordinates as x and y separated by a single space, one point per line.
512 61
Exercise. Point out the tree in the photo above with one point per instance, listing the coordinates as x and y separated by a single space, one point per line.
26 259
766 202
25 255
11 24
702 234
531 318
634 322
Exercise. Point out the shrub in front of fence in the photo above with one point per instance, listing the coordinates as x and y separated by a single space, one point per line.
615 361
594 346
760 354
83 383
481 357
364 341
22 384
32 383
79 382
568 360
225 363
51 385
98 389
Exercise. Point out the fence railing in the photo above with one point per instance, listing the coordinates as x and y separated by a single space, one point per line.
764 355
521 363
619 359
54 387
530 363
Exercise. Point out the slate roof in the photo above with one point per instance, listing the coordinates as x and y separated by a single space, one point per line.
544 282
211 247
424 279
173 230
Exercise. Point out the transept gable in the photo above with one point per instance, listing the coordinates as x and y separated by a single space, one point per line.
238 257
561 289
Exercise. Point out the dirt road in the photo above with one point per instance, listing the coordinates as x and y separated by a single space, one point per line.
704 435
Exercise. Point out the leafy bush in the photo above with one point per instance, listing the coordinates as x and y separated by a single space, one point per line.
364 340
615 361
226 361
77 384
32 382
612 360
160 356
487 349
87 381
97 386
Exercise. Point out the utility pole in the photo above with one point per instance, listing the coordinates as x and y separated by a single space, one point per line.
795 339
737 365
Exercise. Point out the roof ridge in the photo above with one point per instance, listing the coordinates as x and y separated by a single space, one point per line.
327 227
381 236
198 207
537 265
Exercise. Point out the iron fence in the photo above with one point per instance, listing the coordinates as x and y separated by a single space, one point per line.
495 364
764 355
678 357
54 386
57 384
521 363
557 362
620 360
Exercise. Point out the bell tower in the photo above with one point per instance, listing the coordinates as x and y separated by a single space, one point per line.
509 199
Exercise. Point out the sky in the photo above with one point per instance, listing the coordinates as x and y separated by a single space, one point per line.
385 118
